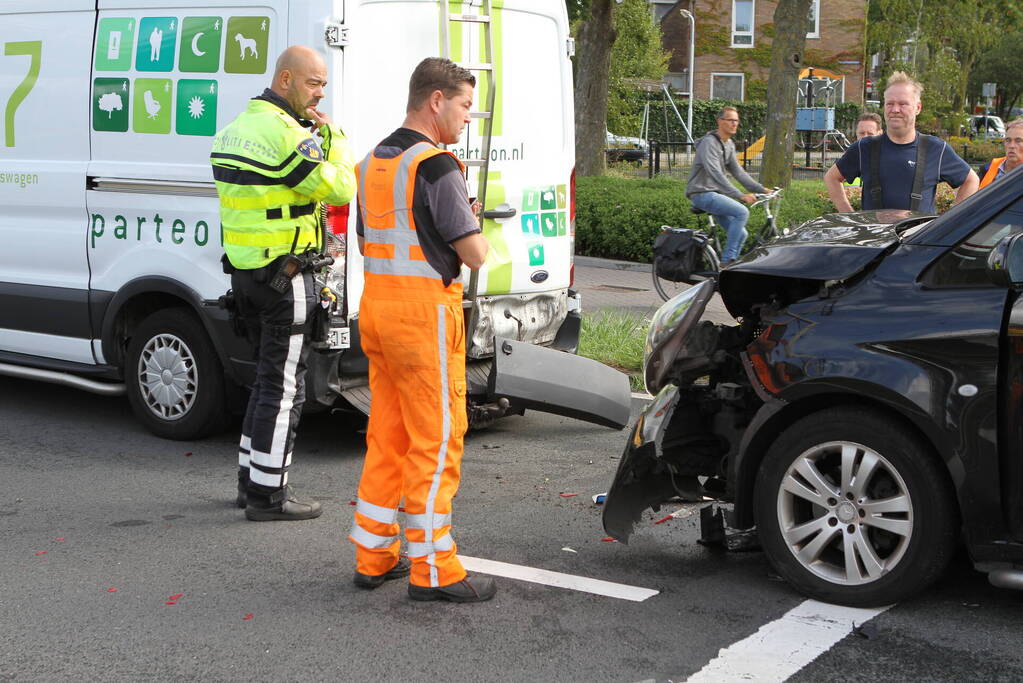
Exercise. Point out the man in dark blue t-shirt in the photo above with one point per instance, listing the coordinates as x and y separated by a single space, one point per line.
898 158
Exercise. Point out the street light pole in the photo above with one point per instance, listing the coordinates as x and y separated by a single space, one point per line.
692 67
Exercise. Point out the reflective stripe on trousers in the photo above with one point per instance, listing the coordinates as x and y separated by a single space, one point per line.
278 392
414 440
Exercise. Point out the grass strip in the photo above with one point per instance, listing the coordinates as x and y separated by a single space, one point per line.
615 338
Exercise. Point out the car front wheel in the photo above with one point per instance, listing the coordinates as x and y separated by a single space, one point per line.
852 509
174 377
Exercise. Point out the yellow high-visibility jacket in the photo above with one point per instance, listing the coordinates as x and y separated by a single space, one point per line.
271 174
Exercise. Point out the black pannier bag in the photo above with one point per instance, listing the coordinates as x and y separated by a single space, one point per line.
677 253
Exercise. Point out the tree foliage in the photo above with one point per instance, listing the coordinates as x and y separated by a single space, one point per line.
1002 64
636 53
939 42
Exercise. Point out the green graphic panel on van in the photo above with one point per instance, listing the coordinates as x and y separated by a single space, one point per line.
157 37
110 104
246 45
151 106
200 44
33 49
115 42
196 110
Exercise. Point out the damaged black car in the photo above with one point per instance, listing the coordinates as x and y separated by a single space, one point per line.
864 415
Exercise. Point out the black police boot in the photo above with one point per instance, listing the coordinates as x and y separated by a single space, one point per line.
243 486
267 505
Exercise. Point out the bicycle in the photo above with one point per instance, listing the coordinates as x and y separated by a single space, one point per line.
708 263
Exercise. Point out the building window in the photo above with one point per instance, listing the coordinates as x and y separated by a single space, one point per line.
742 23
813 20
678 81
726 86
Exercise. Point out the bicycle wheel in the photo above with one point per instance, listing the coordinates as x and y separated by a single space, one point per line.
707 267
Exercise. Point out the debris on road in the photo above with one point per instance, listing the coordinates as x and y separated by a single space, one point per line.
599 498
867 630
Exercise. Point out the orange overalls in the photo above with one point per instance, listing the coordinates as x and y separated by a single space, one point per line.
412 331
992 172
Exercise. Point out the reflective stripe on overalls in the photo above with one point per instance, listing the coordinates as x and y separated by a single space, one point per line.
992 172
412 331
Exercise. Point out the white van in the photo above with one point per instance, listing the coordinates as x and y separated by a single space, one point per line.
110 276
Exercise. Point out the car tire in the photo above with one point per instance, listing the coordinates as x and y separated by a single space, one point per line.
852 509
175 380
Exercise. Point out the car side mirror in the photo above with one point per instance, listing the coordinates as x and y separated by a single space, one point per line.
1005 262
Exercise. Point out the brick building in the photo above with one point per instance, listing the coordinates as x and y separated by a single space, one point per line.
733 45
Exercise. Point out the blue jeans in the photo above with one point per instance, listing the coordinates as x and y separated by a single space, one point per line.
732 216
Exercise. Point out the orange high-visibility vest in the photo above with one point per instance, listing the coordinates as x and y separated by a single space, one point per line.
394 260
992 171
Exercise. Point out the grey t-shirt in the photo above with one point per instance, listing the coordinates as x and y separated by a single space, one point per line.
713 157
440 203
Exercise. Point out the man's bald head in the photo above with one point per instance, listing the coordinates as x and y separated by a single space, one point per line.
297 58
299 77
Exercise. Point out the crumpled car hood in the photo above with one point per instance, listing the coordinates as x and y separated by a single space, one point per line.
832 247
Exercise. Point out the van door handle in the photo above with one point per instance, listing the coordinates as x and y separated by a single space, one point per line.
502 211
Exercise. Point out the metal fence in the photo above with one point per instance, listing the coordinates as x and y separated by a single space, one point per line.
675 159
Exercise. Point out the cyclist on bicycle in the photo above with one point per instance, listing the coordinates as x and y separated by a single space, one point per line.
710 190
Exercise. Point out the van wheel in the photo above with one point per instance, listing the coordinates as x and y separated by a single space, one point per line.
174 377
853 510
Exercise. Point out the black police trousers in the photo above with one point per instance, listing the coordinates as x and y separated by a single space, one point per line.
278 324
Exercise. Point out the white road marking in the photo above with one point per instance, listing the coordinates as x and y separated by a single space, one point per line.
784 646
557 579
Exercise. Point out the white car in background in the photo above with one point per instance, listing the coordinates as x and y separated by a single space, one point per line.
995 126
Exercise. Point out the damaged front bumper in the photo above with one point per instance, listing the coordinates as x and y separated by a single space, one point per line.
643 478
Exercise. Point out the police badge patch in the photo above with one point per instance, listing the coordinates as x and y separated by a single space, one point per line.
309 149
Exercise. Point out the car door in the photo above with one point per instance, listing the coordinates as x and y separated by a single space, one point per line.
963 270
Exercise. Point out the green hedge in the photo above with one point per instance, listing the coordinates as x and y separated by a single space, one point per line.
619 218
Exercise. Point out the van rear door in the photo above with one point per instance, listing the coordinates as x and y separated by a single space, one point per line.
532 149
529 197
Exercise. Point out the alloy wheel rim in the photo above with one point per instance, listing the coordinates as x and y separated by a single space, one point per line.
168 377
845 513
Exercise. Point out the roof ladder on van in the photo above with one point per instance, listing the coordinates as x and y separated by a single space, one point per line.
450 23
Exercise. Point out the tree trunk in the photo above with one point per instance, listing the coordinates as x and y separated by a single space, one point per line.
786 61
593 66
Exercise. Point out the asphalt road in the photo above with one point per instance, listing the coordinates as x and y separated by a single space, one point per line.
123 559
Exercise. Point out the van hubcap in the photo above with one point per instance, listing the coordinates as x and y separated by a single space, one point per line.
845 513
168 377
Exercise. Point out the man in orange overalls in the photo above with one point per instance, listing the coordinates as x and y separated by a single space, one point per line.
416 229
997 168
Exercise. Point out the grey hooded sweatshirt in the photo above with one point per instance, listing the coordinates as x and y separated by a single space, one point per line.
713 156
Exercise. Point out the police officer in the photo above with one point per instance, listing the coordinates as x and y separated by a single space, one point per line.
416 229
271 173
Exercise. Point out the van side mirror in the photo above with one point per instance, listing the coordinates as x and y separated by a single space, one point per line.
1005 262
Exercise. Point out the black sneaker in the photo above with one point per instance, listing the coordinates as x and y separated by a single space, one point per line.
469 589
281 505
369 581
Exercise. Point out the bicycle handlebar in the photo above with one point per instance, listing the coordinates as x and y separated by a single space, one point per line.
767 196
